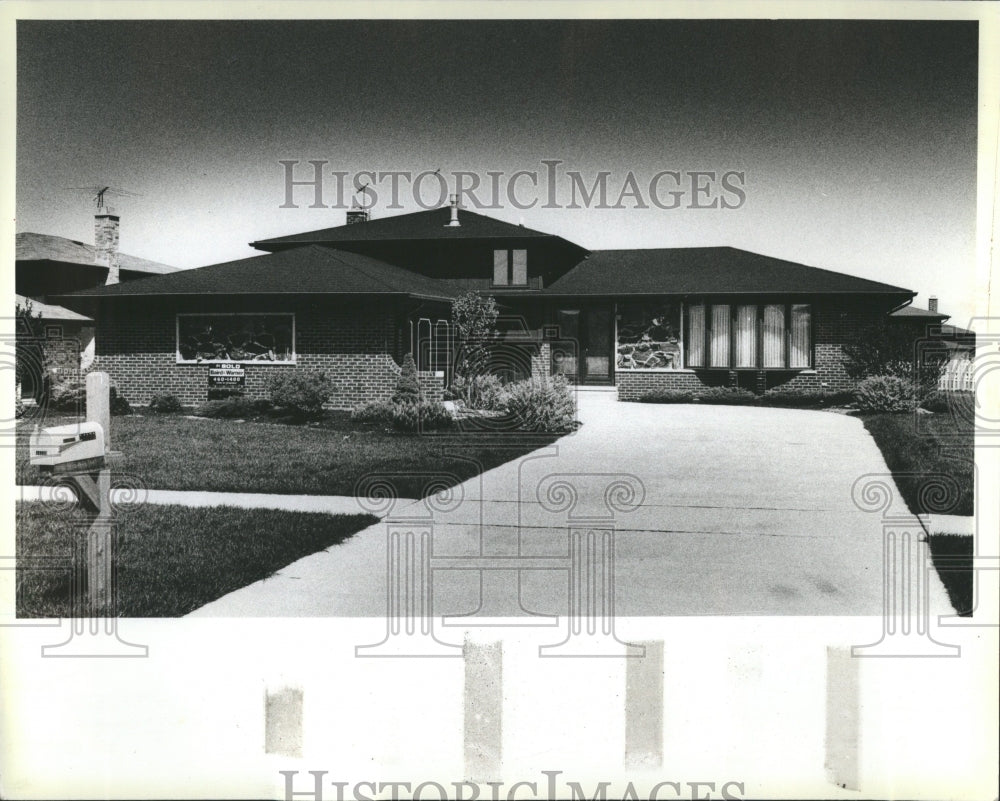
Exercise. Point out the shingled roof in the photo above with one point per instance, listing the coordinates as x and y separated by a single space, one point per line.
419 225
705 271
45 247
311 270
917 313
47 311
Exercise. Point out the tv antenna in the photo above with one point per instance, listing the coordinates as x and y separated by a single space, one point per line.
98 192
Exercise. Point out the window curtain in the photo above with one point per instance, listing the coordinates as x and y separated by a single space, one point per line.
500 267
746 336
696 336
720 335
801 335
774 335
520 263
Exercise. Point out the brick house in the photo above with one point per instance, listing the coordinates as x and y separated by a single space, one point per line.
353 299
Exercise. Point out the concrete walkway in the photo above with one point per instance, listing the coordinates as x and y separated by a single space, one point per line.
328 504
742 511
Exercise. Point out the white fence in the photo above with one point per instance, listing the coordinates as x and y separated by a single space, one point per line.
957 375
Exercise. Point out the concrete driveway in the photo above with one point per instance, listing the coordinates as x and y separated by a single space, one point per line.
716 511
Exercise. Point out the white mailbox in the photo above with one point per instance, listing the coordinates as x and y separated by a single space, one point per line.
78 446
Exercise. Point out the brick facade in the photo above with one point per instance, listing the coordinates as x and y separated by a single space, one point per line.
356 347
835 324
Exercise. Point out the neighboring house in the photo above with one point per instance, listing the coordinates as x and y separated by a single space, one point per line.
353 299
47 266
932 336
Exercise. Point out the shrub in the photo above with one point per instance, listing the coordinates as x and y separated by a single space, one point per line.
165 404
221 393
405 416
727 396
374 412
119 406
487 391
540 405
962 403
232 408
885 349
67 393
667 396
301 393
408 385
885 393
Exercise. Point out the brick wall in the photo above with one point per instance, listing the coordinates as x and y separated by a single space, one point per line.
353 346
835 324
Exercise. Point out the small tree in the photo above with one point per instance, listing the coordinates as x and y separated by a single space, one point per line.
408 385
475 321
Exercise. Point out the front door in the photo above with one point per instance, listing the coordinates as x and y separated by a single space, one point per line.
583 349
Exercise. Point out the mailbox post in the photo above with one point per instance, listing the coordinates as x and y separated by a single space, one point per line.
80 454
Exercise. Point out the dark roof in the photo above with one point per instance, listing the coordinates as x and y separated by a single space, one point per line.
419 225
44 247
305 270
711 270
46 311
917 313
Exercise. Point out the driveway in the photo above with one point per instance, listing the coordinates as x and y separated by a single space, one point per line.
717 510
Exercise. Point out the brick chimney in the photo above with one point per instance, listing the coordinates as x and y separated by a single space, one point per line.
453 222
932 303
106 242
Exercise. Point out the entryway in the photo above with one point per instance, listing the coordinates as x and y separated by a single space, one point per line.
583 350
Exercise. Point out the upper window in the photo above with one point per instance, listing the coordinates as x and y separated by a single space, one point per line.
744 335
510 268
236 338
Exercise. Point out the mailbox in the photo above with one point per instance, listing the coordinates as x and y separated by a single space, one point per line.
78 446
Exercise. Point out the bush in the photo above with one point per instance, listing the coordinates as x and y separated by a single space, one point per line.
232 408
301 393
963 403
726 396
667 396
67 393
487 392
540 405
119 406
715 395
885 393
165 404
221 393
408 385
405 416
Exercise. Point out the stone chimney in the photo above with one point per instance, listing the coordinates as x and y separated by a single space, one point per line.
932 303
106 242
454 223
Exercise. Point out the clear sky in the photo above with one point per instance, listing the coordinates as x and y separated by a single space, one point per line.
857 139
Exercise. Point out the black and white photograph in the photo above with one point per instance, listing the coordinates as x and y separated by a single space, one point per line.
494 401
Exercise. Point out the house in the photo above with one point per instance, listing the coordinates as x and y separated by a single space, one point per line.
353 299
47 266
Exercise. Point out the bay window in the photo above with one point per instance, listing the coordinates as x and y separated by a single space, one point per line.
772 336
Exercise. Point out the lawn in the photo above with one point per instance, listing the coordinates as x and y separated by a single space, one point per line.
328 458
918 447
170 559
953 560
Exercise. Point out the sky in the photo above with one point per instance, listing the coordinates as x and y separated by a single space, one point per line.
856 140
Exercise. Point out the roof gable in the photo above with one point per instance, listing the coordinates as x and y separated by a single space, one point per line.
419 225
704 270
304 270
45 247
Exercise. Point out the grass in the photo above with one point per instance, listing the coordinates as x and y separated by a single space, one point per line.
170 559
918 447
952 557
327 458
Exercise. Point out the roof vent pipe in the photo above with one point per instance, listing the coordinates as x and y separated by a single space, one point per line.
454 223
